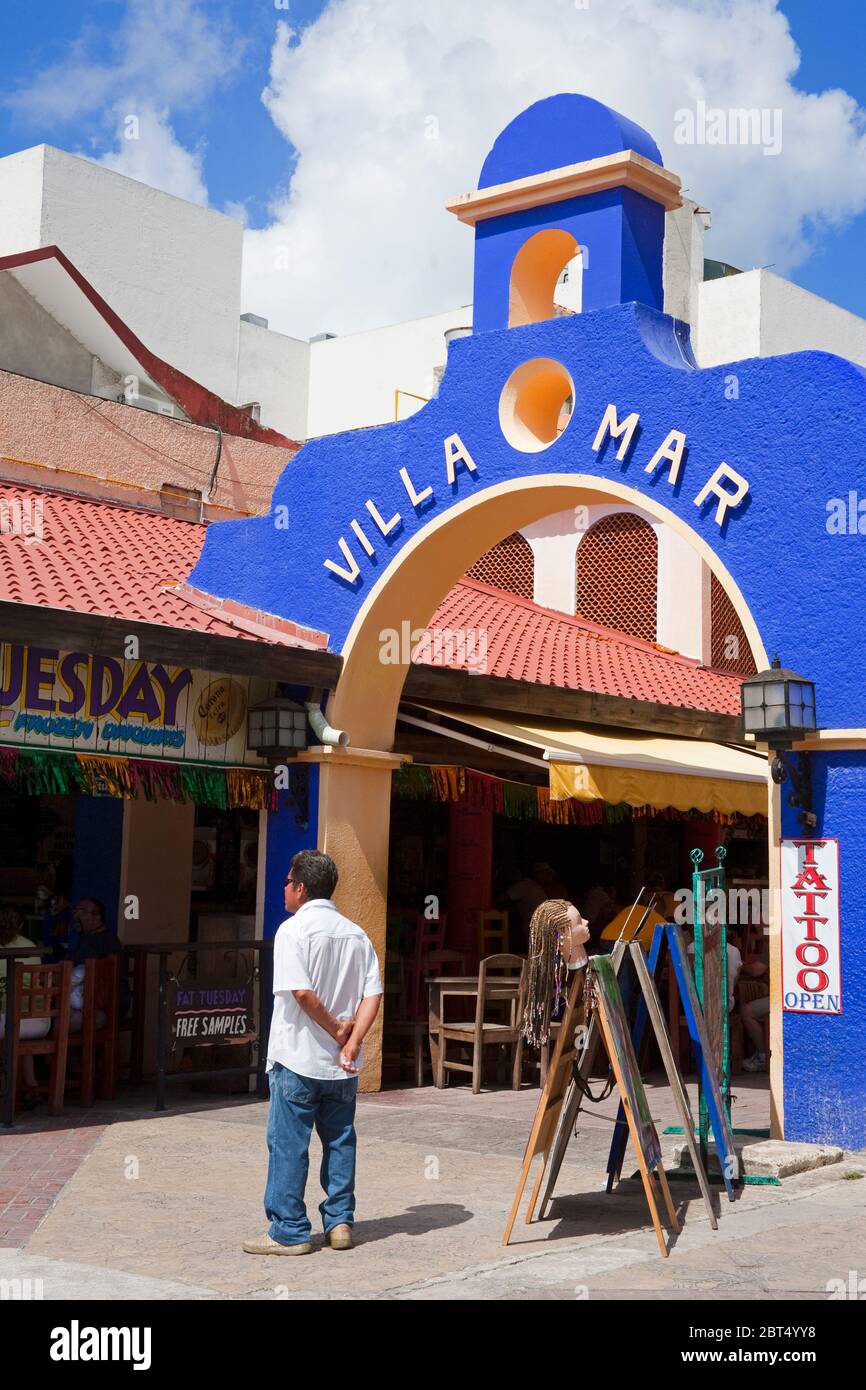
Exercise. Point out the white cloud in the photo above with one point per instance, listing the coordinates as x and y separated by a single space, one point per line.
362 238
147 150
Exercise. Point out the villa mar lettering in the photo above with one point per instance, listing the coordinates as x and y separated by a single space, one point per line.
725 486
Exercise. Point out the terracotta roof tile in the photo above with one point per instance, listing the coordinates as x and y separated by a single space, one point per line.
529 643
102 557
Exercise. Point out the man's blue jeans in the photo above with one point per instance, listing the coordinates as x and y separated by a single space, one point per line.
297 1104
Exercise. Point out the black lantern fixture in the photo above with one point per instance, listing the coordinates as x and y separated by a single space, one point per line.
778 708
276 726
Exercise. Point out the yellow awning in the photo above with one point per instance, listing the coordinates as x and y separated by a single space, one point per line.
591 762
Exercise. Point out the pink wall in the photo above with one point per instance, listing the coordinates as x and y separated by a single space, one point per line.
62 439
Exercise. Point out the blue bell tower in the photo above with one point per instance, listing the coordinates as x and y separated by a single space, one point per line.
567 182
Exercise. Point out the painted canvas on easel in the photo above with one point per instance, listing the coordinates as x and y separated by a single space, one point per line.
606 982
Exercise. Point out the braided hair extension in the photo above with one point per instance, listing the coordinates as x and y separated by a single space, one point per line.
547 968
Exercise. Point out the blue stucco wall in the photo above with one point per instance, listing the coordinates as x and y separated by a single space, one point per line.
788 424
623 235
825 1079
285 837
564 129
97 850
788 431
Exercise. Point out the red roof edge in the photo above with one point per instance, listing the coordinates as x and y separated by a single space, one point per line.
203 407
255 621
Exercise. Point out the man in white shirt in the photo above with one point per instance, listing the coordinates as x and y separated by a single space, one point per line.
327 992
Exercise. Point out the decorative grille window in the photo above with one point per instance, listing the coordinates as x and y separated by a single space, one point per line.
510 565
728 642
617 575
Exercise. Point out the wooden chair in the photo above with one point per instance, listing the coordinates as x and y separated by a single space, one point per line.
429 936
492 932
438 961
40 992
397 1024
133 972
493 973
101 996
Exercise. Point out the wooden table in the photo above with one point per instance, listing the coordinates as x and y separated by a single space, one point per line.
466 987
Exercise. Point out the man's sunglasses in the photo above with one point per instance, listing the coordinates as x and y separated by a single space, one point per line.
292 882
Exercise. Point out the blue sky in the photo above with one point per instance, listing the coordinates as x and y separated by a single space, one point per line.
831 37
353 83
245 157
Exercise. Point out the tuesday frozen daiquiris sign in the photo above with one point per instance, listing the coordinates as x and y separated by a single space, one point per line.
537 413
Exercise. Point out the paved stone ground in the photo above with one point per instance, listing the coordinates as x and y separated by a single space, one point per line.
162 1203
36 1162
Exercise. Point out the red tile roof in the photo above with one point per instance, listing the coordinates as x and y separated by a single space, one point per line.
105 558
102 557
528 643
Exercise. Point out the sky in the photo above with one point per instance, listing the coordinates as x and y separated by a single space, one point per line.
337 129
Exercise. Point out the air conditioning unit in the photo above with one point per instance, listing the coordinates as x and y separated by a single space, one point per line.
156 407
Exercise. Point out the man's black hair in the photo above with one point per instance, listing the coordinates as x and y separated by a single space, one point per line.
316 871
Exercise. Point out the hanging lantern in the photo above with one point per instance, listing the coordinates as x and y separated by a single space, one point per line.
276 726
778 707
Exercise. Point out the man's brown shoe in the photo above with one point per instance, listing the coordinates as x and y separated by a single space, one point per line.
266 1245
340 1237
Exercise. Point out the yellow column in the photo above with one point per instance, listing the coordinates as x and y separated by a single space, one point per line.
354 819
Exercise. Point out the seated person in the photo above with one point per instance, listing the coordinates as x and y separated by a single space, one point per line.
11 935
56 924
89 939
735 965
520 900
754 1011
551 884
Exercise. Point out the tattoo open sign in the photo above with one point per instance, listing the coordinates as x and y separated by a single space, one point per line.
204 1013
811 947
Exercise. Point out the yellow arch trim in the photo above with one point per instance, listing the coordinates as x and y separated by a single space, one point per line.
411 588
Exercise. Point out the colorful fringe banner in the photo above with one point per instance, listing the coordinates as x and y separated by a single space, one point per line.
47 771
157 781
484 791
44 772
8 765
522 801
254 790
413 782
449 783
519 801
105 776
206 786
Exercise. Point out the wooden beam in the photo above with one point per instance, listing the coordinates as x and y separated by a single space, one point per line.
431 748
439 685
35 625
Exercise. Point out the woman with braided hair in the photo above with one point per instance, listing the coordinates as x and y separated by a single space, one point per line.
556 936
